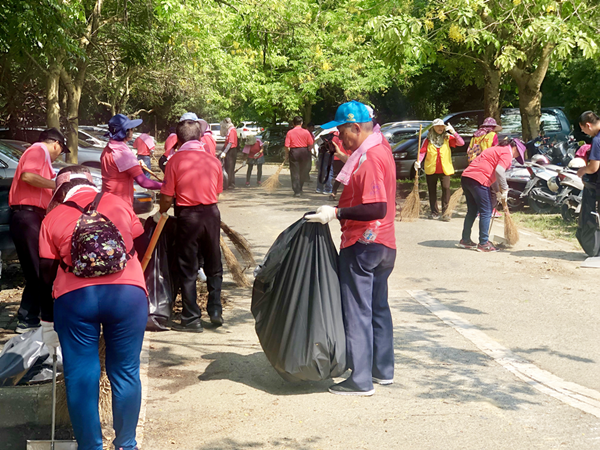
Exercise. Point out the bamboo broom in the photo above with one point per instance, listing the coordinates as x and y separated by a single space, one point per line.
240 243
234 266
453 203
144 167
511 232
412 205
272 183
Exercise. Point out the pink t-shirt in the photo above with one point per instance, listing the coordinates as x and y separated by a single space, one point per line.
374 181
483 168
298 137
115 182
209 143
194 177
55 241
37 161
141 144
232 138
169 144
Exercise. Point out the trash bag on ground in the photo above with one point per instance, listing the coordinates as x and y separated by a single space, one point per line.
161 276
25 359
297 305
588 229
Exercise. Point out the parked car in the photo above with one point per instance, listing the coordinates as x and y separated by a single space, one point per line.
273 139
10 153
554 121
216 131
396 131
246 129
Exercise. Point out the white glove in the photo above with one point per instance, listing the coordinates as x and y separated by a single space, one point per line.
417 165
325 214
450 129
502 196
156 217
49 337
223 155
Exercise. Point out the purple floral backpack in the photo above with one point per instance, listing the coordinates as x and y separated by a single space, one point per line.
97 246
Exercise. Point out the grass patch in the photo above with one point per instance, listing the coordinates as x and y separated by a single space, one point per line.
550 226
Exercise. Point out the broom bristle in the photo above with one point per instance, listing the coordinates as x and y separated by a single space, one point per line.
453 203
234 266
412 205
241 244
511 232
272 183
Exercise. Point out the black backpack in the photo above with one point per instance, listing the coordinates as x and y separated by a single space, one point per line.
97 246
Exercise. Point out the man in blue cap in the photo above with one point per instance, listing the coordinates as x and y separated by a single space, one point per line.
366 212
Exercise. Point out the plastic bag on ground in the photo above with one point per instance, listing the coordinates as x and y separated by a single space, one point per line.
161 276
25 359
297 305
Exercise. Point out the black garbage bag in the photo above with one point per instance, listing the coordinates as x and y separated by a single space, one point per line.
588 229
25 359
297 305
161 276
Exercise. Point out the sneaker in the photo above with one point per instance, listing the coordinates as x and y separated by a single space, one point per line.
445 218
259 183
435 216
247 184
332 197
318 191
496 213
296 194
487 247
23 327
327 193
382 382
470 245
201 275
349 388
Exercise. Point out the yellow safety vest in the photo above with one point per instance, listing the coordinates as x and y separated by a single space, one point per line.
445 155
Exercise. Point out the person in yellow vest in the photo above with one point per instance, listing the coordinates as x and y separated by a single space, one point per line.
437 159
485 137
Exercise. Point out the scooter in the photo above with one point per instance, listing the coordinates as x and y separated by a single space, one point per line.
570 209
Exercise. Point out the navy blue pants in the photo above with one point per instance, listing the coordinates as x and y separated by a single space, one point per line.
122 311
479 200
364 271
148 163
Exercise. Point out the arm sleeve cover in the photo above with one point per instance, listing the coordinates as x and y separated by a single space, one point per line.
364 213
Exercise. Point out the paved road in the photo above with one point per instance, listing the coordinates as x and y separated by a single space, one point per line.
493 351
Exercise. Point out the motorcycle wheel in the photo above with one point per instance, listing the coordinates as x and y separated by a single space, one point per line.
568 214
514 204
539 207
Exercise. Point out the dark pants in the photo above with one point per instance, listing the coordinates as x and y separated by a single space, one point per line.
479 200
258 172
230 159
299 158
146 160
122 311
307 168
25 231
198 232
324 162
364 271
337 168
432 188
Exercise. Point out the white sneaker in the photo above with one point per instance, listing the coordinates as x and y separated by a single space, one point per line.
382 382
201 275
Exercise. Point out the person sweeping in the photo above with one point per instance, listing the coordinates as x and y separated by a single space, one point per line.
476 182
437 159
254 157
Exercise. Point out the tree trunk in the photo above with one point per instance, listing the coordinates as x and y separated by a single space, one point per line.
491 93
530 106
73 88
307 113
52 96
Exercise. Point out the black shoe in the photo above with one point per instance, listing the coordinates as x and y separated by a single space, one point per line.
349 388
216 318
194 327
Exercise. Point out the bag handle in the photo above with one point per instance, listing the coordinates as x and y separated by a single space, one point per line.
93 206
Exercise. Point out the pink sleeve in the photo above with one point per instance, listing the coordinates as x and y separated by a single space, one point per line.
47 248
455 140
33 161
287 140
311 138
134 171
168 187
220 180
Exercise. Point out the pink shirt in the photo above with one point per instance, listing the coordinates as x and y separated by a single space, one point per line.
232 138
209 143
483 168
299 137
36 160
115 182
374 181
141 144
55 241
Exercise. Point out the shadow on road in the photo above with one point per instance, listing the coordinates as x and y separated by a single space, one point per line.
439 243
232 444
556 254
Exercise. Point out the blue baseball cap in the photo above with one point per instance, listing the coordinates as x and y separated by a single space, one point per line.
119 124
351 112
194 118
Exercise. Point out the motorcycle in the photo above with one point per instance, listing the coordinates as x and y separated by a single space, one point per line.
560 153
571 207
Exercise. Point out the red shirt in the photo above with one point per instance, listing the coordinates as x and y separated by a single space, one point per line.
115 182
373 181
483 168
34 160
255 149
55 241
194 177
210 144
169 144
299 137
232 138
142 148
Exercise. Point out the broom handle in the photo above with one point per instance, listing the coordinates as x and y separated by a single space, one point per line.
159 226
143 166
418 152
54 369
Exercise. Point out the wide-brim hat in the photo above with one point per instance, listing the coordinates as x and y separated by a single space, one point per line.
522 149
119 124
55 135
437 123
490 122
194 118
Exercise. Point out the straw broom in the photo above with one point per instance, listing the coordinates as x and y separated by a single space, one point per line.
511 232
412 205
453 203
234 266
272 183
240 243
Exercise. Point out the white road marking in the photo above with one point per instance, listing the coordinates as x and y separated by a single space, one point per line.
580 397
144 365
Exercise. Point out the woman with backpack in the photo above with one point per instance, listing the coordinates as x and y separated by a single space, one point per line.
485 137
437 159
87 253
